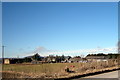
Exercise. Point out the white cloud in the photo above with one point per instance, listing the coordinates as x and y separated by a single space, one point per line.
45 52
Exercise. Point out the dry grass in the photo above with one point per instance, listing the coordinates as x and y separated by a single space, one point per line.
57 69
50 70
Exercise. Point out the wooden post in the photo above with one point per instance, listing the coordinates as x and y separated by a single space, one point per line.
3 54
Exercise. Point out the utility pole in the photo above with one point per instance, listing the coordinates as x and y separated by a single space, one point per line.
3 47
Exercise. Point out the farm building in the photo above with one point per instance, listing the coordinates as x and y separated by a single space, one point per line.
38 62
6 61
77 59
96 58
101 57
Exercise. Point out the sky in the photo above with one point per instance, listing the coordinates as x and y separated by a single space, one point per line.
57 27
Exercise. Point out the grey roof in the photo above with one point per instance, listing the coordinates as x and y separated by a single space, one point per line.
95 57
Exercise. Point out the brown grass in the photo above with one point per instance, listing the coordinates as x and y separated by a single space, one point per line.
55 70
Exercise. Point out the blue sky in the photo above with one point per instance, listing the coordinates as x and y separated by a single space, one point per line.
54 26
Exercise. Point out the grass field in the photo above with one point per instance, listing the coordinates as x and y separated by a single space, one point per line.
55 70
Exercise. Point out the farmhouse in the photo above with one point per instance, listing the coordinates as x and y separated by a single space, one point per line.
95 58
6 61
38 62
101 57
77 59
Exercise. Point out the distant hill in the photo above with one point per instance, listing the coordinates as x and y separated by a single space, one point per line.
35 57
